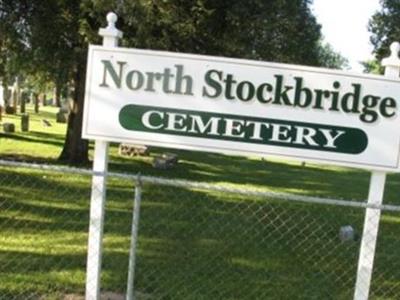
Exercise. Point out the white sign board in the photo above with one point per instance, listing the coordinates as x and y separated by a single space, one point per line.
240 106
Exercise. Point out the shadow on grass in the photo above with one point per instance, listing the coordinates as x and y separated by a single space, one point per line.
205 167
43 114
28 275
37 138
312 180
214 168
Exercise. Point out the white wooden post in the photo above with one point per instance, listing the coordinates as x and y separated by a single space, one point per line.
110 35
375 197
369 237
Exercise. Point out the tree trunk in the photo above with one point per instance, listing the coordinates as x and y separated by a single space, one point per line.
44 99
15 100
76 149
5 93
4 99
57 95
23 101
36 102
16 95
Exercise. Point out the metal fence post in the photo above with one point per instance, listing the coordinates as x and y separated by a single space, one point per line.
375 197
98 196
134 237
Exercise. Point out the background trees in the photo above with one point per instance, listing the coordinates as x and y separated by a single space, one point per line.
277 30
385 27
331 59
49 38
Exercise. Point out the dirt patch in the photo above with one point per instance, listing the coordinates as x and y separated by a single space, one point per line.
108 296
103 296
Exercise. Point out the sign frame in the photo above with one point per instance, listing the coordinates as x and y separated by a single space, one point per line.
207 146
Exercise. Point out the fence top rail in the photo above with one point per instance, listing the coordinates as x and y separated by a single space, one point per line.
200 185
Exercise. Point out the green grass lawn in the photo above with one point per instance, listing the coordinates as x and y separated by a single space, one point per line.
194 244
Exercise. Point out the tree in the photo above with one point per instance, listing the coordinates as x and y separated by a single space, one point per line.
276 30
372 66
384 26
57 34
329 58
13 38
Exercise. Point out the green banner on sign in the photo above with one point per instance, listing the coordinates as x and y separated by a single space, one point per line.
243 129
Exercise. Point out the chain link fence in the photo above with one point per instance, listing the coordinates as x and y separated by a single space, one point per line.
195 241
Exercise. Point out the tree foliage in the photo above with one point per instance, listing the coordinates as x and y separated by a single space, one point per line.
372 66
329 58
385 27
13 38
276 30
50 37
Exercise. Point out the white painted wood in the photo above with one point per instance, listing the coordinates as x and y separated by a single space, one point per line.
97 203
375 197
392 63
98 196
110 34
369 237
190 95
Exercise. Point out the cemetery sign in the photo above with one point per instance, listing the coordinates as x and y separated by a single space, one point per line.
240 106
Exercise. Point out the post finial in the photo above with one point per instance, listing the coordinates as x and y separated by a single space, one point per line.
392 63
110 34
111 19
393 59
395 48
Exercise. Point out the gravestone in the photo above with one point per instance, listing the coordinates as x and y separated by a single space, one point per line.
62 116
25 122
347 233
171 157
8 127
24 100
10 110
165 161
